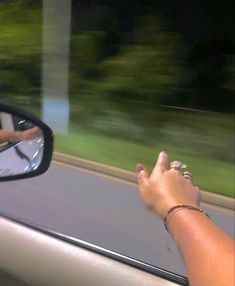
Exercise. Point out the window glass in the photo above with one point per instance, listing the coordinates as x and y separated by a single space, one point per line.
118 82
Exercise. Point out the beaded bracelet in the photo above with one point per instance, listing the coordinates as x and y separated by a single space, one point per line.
178 207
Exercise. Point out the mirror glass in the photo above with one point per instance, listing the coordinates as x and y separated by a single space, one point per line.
21 145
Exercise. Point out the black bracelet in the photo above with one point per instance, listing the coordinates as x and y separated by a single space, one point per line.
181 206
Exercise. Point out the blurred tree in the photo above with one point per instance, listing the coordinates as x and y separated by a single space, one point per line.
209 26
141 75
127 51
20 50
85 54
149 70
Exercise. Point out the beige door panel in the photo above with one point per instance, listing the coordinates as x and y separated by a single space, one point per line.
39 259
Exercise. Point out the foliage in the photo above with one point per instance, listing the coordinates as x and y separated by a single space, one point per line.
127 62
20 51
146 71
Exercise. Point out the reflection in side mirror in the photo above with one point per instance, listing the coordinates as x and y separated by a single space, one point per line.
25 145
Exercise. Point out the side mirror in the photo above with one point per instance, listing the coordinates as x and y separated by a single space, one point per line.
26 145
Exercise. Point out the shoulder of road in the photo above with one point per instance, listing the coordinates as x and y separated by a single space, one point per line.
207 197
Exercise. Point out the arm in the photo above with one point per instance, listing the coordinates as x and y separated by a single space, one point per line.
15 136
208 253
6 136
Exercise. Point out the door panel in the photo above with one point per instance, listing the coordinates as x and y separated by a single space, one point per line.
39 259
9 280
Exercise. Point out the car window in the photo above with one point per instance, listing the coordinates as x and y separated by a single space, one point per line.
118 82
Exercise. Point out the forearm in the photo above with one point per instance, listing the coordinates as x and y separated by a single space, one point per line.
207 251
12 136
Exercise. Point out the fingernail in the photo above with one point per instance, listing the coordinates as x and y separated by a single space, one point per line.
140 169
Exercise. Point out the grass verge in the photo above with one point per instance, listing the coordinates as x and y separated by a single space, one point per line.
210 174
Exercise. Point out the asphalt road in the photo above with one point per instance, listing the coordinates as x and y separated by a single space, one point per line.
100 210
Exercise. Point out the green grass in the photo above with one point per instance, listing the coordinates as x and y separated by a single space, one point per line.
210 174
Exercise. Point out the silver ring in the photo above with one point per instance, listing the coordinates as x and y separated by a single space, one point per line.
178 165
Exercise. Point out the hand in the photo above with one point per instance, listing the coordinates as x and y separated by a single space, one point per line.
165 188
16 136
28 134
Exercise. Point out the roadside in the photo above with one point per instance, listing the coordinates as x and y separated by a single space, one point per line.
209 174
128 176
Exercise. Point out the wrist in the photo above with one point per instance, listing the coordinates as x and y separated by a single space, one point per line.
16 136
164 212
184 210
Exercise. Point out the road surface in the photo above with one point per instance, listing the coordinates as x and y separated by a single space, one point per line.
100 210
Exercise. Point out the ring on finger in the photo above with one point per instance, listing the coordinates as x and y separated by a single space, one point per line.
178 165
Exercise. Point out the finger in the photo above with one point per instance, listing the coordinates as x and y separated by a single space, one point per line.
199 194
188 176
142 177
142 174
143 180
161 165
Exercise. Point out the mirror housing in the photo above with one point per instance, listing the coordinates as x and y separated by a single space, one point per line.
26 144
